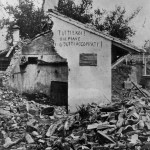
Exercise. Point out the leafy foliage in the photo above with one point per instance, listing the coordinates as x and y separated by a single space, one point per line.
84 111
77 12
115 22
28 18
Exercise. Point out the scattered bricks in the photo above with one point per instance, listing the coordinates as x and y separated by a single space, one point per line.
105 138
32 126
48 111
122 124
22 108
120 120
48 148
92 126
1 83
66 146
32 109
34 133
51 130
91 137
8 142
100 148
41 141
29 139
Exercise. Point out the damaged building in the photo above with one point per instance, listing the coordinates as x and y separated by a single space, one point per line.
7 48
39 68
72 63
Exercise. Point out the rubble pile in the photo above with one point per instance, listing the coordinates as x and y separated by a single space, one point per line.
39 97
27 125
120 74
20 117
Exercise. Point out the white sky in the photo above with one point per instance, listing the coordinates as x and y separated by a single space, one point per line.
141 23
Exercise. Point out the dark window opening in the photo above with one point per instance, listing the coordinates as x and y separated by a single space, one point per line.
4 64
32 60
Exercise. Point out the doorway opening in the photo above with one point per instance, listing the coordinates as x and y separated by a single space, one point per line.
59 86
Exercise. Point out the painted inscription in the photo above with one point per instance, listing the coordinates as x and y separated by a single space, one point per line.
75 38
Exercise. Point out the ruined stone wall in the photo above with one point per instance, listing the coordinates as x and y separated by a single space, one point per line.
13 63
36 77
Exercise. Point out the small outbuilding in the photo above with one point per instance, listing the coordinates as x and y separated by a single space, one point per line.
72 64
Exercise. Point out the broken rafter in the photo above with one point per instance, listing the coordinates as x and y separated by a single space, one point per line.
139 89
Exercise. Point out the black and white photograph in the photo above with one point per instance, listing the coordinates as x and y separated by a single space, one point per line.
74 74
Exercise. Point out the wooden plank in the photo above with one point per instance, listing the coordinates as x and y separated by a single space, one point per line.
9 52
139 89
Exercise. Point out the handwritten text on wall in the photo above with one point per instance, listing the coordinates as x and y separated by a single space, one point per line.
75 38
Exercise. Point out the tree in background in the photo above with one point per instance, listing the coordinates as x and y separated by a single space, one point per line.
27 17
78 12
115 22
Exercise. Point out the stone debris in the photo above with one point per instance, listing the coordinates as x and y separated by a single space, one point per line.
28 125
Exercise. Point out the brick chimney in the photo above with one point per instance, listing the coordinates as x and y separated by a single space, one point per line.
49 4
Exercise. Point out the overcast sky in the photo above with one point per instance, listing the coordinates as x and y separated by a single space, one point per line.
141 23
